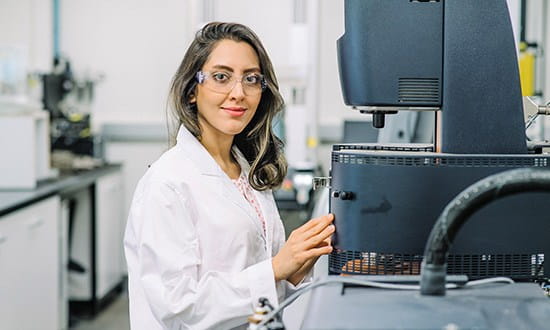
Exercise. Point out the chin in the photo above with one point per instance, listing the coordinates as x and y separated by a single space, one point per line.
233 131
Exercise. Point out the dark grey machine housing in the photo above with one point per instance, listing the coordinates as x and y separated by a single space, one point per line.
391 53
386 198
458 55
386 202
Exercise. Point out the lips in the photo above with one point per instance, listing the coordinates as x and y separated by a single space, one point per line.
234 111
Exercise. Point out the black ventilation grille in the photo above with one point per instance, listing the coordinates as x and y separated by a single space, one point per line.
438 160
380 147
418 90
516 266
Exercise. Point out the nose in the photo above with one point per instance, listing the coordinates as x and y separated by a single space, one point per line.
237 92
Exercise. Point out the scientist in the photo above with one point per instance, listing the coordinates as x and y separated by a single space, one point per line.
204 240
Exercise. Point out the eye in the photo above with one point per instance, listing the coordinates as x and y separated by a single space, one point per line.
220 77
252 79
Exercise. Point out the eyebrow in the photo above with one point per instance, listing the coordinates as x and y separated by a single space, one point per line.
230 69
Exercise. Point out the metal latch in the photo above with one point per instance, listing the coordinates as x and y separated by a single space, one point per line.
531 110
321 182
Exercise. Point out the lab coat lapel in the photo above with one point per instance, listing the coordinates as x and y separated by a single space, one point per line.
266 208
213 174
232 193
264 204
195 151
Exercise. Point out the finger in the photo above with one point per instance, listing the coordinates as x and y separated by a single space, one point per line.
317 239
323 243
317 252
322 223
313 222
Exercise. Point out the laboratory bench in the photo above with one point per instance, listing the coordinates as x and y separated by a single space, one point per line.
61 248
67 182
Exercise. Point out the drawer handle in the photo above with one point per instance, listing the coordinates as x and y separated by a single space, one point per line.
3 238
35 223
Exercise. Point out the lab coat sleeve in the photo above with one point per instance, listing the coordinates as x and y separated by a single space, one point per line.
168 254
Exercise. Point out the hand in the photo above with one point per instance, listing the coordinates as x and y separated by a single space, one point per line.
303 247
304 270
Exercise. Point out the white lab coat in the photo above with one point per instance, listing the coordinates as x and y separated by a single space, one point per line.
196 255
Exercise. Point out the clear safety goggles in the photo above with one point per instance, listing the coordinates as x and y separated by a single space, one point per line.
223 82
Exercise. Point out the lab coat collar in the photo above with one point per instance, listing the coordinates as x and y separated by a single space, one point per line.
204 162
197 153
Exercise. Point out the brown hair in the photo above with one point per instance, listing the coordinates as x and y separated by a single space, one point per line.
261 148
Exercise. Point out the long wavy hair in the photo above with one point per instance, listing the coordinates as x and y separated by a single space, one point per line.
259 145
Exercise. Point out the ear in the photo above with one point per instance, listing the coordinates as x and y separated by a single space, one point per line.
192 98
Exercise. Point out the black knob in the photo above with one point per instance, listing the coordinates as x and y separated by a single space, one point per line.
346 195
343 195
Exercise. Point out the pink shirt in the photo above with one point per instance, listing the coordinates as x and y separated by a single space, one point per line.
246 190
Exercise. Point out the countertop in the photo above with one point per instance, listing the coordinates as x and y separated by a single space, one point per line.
67 182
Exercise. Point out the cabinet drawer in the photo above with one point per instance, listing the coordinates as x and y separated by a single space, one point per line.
29 267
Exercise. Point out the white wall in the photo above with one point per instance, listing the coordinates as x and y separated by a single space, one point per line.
270 20
25 45
332 110
136 44
27 23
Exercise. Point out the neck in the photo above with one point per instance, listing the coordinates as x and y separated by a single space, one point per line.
219 147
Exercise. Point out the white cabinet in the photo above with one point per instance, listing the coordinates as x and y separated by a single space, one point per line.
96 242
29 267
109 212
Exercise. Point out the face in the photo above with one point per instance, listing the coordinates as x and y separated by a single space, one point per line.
227 114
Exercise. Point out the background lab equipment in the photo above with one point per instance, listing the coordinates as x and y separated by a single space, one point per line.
24 127
69 102
458 58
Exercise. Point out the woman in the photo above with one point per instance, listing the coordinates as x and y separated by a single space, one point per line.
204 240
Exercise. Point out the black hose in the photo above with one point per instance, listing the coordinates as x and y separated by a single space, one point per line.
461 208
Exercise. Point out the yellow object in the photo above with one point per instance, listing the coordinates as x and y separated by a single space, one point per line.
74 117
527 71
85 133
312 142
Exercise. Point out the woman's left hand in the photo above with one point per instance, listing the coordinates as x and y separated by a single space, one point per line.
306 268
304 245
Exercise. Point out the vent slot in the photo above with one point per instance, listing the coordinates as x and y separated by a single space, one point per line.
381 147
439 161
516 266
418 90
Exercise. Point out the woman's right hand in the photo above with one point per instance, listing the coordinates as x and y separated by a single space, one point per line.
305 243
